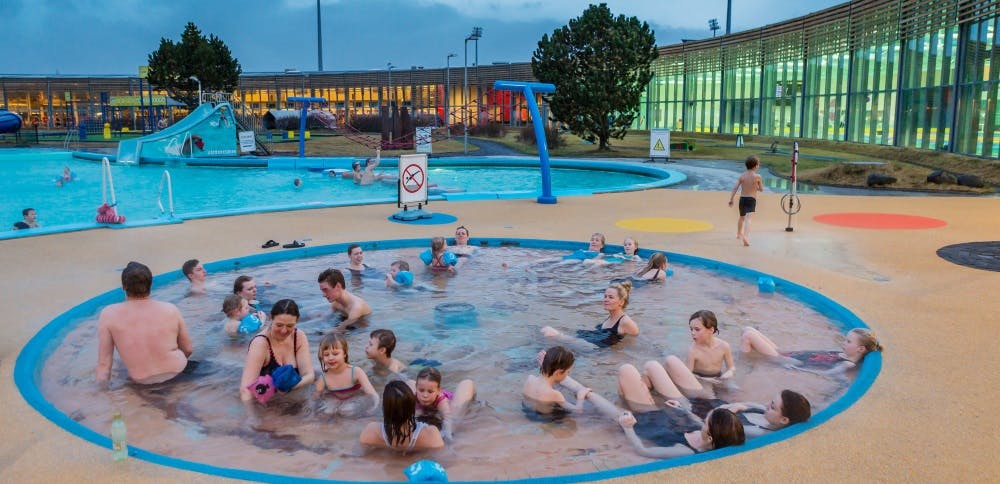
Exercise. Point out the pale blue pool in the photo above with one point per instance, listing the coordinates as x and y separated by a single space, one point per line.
28 179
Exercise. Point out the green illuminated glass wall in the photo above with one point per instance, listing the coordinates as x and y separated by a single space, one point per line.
921 74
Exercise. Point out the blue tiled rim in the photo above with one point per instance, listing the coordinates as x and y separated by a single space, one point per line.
27 370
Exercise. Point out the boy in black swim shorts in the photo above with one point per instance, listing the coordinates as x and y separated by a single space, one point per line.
749 184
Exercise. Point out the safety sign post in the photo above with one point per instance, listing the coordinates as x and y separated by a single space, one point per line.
790 202
659 144
412 187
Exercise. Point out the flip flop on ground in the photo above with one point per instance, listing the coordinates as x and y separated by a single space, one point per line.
269 244
294 245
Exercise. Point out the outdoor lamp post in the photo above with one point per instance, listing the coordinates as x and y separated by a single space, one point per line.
447 98
392 114
195 79
477 32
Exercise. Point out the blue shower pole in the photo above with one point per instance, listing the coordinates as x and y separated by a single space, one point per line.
529 89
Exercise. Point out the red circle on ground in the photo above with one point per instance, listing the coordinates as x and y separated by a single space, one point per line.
885 221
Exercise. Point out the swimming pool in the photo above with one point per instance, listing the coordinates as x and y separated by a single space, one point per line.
511 306
27 179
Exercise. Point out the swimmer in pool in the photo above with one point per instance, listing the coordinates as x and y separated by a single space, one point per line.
196 275
786 408
400 429
246 286
435 404
655 270
280 348
594 249
381 344
356 256
705 360
859 343
340 382
461 247
614 328
350 306
539 390
721 428
441 260
368 175
237 311
150 336
629 253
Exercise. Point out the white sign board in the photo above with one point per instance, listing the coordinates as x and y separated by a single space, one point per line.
247 142
423 139
412 179
659 143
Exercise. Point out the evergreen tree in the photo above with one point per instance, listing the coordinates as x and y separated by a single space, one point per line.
209 59
600 65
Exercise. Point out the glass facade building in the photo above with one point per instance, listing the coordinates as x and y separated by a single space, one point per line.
920 74
915 73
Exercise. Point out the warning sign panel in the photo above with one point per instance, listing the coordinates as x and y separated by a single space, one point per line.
659 143
412 179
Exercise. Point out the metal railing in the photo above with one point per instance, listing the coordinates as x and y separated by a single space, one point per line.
165 181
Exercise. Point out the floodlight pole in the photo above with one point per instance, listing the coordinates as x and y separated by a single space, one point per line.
447 98
477 32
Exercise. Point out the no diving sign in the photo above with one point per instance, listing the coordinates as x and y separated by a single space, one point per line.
412 179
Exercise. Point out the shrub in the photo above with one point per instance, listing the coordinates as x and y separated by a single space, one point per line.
491 129
366 123
552 136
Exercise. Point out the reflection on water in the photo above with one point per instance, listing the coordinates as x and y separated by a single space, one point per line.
201 418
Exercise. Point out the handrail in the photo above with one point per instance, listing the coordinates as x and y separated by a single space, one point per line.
189 143
107 184
170 193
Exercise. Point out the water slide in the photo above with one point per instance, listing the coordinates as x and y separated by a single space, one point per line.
9 122
208 132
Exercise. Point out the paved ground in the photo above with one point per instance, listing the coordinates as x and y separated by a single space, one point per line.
930 417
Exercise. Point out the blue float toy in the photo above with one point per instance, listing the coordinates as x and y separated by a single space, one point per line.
765 284
670 272
581 255
404 278
249 324
426 471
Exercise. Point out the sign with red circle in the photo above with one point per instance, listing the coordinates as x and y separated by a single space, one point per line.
413 178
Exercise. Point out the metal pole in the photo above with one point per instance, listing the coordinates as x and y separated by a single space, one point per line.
392 113
319 37
465 99
447 97
479 84
729 17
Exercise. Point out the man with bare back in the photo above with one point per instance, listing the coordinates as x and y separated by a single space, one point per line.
150 336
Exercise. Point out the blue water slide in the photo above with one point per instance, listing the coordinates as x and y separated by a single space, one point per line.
207 132
9 122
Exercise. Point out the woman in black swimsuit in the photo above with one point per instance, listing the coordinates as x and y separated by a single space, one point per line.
614 328
279 345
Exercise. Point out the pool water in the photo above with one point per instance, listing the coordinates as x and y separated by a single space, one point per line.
27 179
204 421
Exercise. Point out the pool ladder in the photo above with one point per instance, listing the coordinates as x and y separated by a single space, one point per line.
165 181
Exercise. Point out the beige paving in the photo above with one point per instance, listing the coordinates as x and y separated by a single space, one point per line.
930 417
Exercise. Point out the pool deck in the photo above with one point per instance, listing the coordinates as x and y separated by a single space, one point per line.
929 417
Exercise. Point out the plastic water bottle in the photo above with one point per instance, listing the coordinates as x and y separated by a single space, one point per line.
119 447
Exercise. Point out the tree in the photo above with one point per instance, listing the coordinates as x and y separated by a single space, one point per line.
172 65
600 66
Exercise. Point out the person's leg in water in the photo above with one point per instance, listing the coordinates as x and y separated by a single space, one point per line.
754 340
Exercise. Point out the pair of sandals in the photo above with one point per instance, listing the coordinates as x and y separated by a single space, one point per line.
295 244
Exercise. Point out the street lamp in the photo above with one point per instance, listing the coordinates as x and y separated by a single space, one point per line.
447 98
477 32
392 113
195 79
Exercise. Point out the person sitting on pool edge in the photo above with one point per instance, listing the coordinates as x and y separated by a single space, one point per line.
150 336
196 275
350 306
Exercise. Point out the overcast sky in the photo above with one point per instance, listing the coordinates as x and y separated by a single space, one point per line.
116 36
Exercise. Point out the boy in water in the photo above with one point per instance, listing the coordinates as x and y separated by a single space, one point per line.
748 184
380 345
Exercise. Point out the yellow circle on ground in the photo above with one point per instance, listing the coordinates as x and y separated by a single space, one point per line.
663 224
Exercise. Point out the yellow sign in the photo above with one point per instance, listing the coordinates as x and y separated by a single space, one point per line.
658 146
659 143
143 72
129 101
